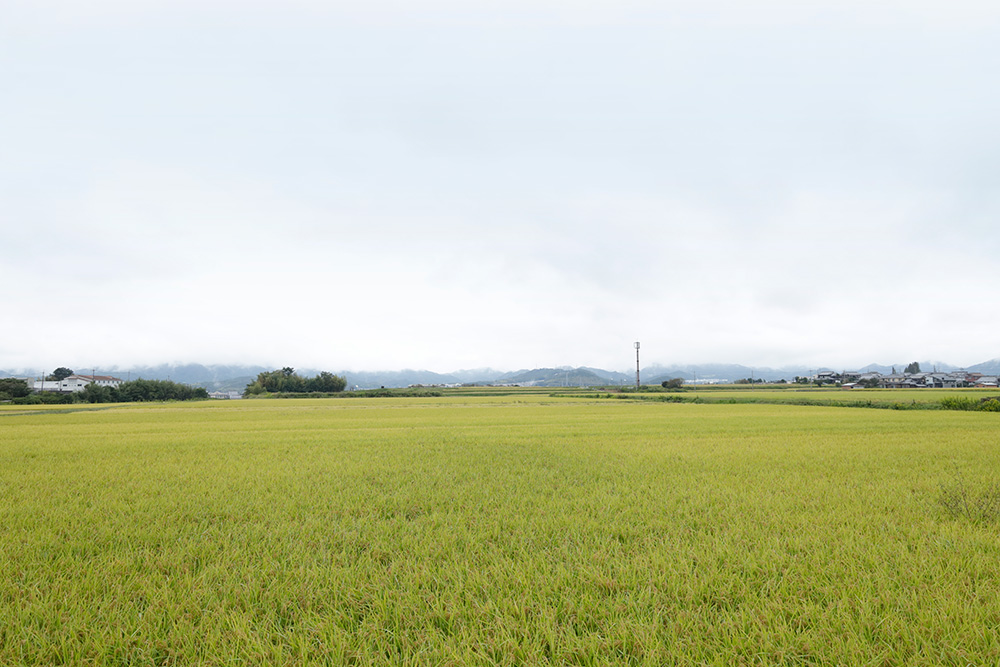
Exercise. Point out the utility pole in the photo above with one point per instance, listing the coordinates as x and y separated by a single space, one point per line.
636 365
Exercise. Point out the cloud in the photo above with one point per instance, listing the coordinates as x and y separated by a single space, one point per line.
510 184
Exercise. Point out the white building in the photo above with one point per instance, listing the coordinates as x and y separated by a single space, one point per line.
227 395
79 382
43 385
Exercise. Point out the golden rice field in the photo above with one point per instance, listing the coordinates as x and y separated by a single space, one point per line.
507 529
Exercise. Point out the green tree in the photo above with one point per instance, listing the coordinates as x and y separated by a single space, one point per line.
95 393
912 368
59 374
673 383
287 380
326 382
159 390
13 388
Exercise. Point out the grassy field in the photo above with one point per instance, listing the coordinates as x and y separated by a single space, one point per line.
508 528
898 399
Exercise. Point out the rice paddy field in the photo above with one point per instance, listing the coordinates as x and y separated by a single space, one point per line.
505 528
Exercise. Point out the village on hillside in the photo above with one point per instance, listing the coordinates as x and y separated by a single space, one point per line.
919 380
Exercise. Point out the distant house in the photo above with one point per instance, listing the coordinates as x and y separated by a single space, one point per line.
944 380
898 382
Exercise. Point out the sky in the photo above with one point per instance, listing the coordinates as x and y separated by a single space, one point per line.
442 185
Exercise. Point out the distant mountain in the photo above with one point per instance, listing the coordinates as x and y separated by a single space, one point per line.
554 377
477 375
925 366
611 377
991 367
719 373
195 374
404 378
21 373
232 384
879 368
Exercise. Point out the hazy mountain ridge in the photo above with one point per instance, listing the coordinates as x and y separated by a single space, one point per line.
403 378
991 367
234 377
719 373
554 377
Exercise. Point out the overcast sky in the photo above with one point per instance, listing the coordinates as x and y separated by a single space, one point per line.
441 184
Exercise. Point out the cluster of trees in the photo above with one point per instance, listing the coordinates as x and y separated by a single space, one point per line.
141 391
13 388
287 381
17 391
672 383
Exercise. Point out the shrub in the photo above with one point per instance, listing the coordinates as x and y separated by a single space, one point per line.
959 403
961 501
990 405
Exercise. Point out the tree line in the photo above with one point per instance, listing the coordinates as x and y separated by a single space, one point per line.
287 381
134 391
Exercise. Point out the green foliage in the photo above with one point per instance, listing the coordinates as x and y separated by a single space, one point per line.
988 404
959 403
126 392
393 393
13 388
327 382
159 390
59 374
288 381
48 398
912 367
673 383
95 393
